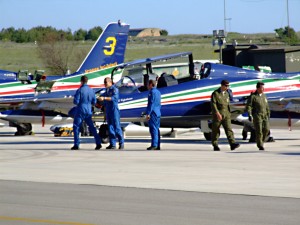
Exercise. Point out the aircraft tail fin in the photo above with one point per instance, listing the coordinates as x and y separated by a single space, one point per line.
108 50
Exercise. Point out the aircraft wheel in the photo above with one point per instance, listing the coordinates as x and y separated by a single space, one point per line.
23 129
207 136
103 133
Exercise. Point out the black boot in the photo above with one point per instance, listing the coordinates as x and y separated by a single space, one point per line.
234 146
216 148
98 147
75 147
111 147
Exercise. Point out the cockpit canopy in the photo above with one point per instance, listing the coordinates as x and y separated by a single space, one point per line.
134 76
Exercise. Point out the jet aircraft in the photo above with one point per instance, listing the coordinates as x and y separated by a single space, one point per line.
186 99
107 52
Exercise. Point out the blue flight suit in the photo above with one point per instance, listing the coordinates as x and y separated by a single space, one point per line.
113 116
153 109
84 98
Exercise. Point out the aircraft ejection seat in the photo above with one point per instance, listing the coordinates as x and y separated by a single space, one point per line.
145 85
23 76
38 74
166 80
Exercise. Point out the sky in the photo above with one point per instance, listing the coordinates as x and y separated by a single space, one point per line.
175 16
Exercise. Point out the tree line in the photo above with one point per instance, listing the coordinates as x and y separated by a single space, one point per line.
39 33
287 35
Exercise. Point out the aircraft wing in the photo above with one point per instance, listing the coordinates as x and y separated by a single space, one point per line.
59 103
291 104
13 100
41 90
278 104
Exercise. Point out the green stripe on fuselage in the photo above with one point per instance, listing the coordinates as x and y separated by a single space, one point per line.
92 75
15 84
211 89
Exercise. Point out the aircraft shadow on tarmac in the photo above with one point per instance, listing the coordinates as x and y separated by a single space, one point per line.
290 153
38 143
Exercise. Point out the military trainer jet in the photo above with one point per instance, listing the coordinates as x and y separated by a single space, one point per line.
45 101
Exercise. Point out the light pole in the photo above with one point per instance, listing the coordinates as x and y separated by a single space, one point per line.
225 20
225 17
288 21
287 12
219 38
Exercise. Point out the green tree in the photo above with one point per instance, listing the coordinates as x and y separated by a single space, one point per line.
94 33
7 33
69 35
80 35
38 33
32 34
64 35
164 33
287 35
20 36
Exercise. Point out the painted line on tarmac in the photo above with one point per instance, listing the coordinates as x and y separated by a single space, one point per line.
41 221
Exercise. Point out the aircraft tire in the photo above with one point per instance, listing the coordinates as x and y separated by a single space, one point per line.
23 129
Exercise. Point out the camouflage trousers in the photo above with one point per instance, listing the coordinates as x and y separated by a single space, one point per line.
226 123
262 128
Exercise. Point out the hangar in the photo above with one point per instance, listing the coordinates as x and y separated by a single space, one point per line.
145 32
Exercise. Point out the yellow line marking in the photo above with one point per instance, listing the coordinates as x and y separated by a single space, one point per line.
41 221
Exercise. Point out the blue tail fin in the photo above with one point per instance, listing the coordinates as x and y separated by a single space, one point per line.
108 50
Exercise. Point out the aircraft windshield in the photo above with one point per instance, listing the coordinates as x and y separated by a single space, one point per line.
129 84
133 79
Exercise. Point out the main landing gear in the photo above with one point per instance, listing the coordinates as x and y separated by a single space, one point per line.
22 128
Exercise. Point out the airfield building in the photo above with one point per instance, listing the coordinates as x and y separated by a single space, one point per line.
279 58
145 32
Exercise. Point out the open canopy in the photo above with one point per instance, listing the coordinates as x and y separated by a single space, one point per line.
154 59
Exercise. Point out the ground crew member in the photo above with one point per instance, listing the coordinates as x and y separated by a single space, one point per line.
259 112
220 100
110 99
84 98
153 115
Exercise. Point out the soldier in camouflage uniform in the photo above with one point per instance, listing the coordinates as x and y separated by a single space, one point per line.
220 100
259 112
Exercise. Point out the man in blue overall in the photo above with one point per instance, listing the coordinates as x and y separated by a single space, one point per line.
84 98
153 115
110 99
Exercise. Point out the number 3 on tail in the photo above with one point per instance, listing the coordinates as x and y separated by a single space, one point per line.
112 44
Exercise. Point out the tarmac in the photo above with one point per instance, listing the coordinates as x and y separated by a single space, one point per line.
184 163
